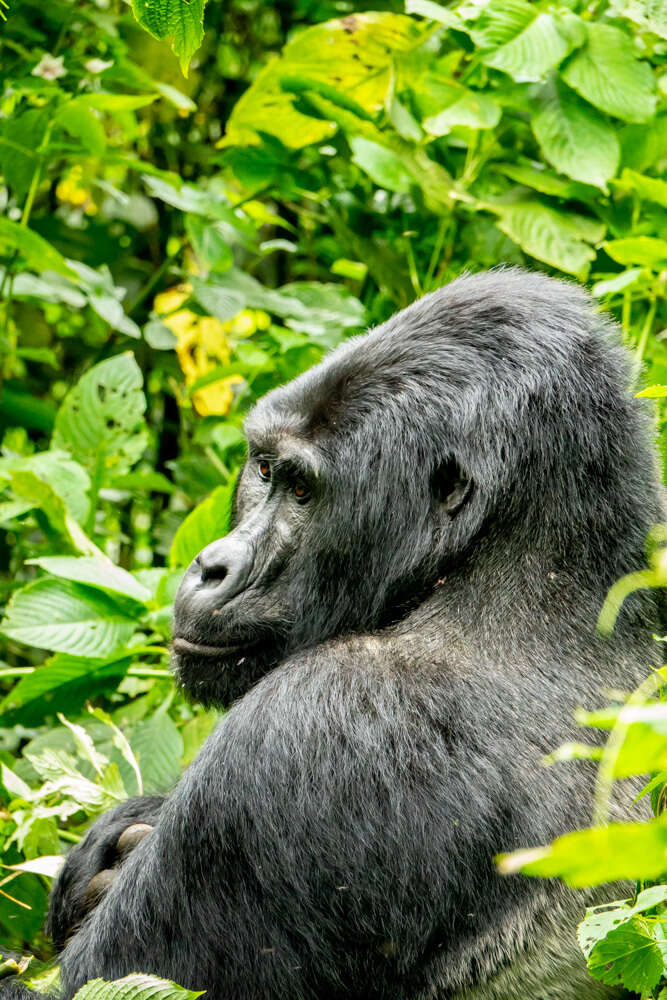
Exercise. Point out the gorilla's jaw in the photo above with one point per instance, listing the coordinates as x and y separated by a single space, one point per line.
215 676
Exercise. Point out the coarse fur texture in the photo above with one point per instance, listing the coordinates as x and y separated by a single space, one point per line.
426 529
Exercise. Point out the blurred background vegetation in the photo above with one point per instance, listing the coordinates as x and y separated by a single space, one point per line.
172 246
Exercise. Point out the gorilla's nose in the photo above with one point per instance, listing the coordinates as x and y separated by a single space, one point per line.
222 569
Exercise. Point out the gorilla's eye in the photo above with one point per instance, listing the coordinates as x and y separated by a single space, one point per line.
264 469
300 491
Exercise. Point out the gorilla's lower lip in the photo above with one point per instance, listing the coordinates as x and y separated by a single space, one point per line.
181 645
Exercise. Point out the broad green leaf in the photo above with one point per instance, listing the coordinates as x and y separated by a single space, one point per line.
576 139
207 522
216 300
541 46
647 251
158 747
383 166
500 21
562 240
29 487
434 12
113 103
135 987
68 618
354 56
180 20
20 136
33 249
648 188
608 73
611 853
60 473
629 956
82 123
101 417
210 243
473 110
540 179
63 683
103 575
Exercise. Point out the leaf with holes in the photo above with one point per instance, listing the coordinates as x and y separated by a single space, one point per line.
100 419
67 617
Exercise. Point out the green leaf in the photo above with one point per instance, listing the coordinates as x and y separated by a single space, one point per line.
600 920
20 137
135 987
650 15
647 251
611 286
618 851
559 239
576 139
158 746
383 166
29 487
57 470
209 241
473 110
33 249
434 12
541 46
630 956
216 300
81 122
68 618
207 522
500 21
180 20
648 188
63 684
540 179
101 574
653 392
364 49
608 73
100 419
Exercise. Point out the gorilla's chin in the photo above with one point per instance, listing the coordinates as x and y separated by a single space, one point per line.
215 676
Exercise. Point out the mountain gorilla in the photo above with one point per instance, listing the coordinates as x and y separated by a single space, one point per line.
426 527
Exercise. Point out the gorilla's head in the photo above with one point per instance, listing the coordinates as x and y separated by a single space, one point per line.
495 409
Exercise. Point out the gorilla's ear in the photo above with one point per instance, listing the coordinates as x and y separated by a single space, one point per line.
451 486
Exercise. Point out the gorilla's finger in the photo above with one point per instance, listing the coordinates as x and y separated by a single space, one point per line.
97 887
130 837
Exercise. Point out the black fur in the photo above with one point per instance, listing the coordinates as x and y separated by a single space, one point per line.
418 634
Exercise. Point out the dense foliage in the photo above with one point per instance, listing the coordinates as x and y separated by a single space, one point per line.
173 246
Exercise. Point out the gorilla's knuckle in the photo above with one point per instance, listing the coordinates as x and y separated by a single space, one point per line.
130 837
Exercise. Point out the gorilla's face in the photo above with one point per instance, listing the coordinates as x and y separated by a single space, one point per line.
235 611
339 526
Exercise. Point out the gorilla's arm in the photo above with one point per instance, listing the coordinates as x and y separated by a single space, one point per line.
330 838
93 863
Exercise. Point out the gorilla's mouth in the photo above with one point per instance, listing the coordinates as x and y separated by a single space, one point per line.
184 647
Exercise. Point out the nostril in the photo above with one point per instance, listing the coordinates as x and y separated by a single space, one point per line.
212 572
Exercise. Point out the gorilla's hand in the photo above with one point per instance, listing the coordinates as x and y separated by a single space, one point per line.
92 865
